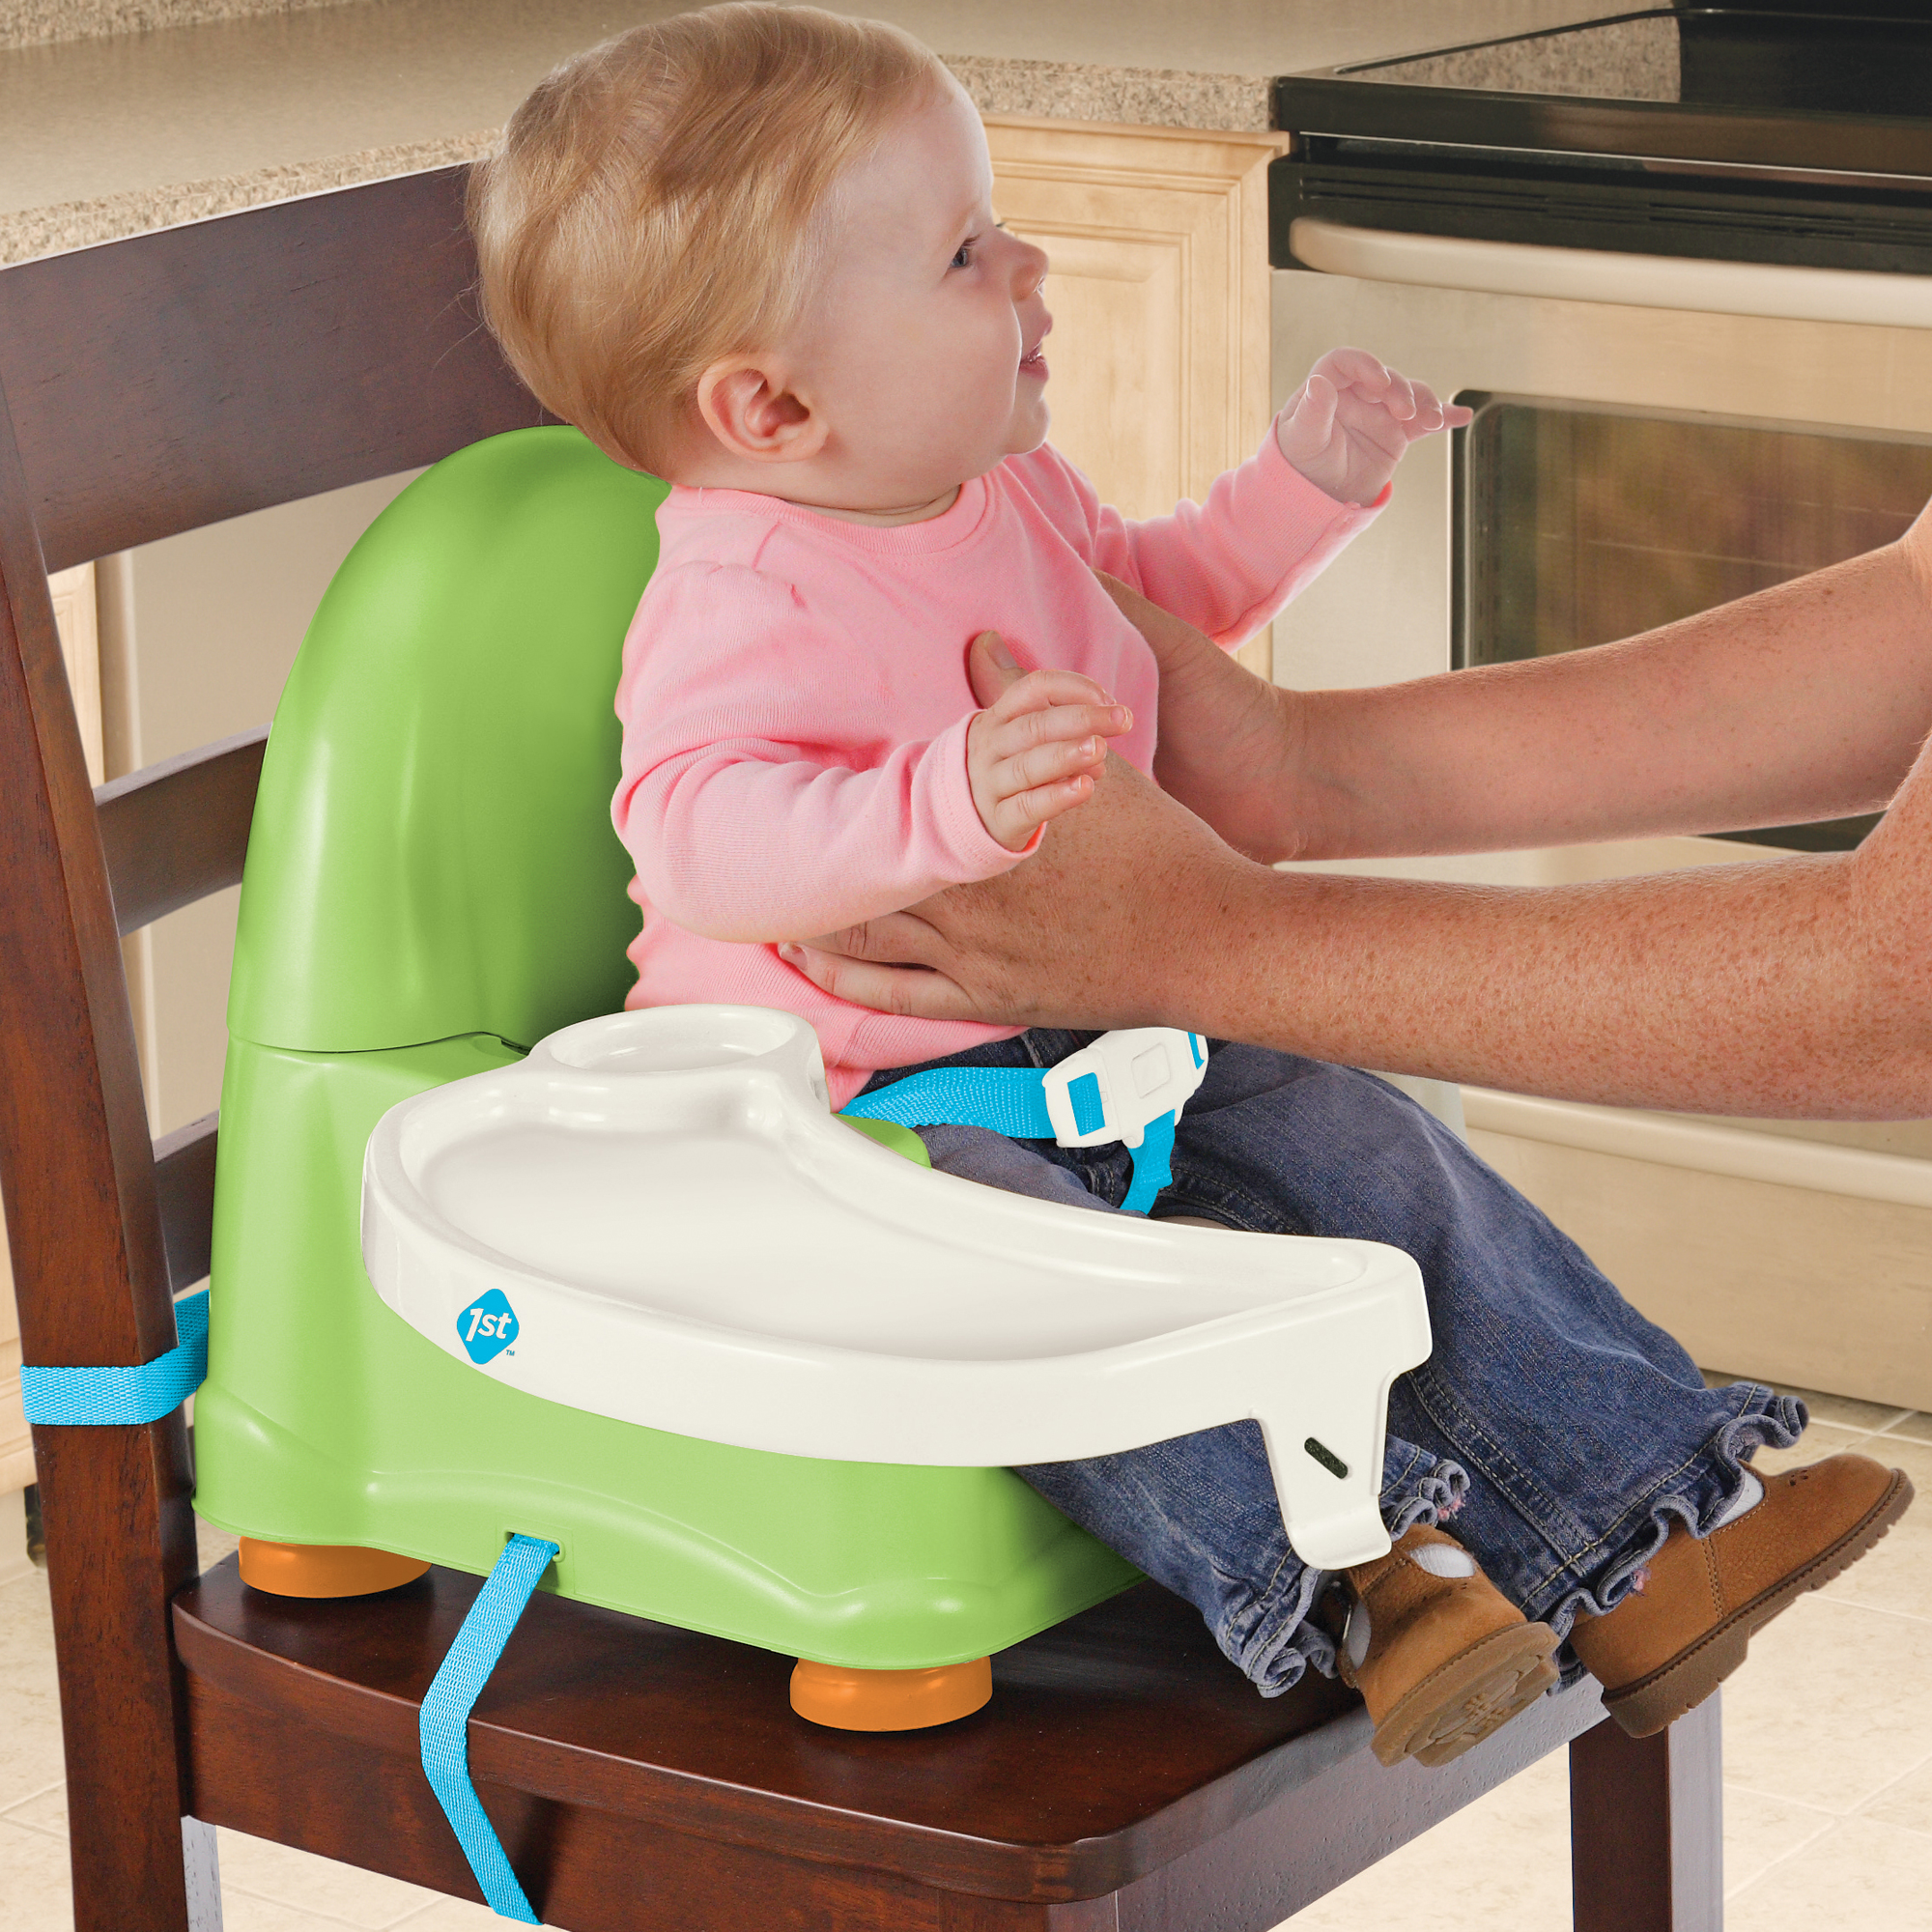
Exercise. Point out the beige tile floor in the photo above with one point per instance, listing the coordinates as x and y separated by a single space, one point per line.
1827 1775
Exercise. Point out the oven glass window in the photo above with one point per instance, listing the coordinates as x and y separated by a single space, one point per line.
1578 526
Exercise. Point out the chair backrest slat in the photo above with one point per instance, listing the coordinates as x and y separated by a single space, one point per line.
185 377
174 832
185 1194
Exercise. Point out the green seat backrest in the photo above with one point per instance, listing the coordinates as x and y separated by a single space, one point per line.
432 852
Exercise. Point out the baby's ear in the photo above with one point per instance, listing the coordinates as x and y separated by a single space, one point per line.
746 405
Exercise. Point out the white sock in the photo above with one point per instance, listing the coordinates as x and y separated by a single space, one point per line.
1743 1503
1355 1637
1443 1559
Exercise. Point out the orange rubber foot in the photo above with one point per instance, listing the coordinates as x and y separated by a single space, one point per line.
889 1700
324 1569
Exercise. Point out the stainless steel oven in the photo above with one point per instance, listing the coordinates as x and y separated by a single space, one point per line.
1697 334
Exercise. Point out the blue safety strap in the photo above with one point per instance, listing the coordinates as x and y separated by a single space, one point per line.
445 1725
82 1397
1011 1101
1151 1171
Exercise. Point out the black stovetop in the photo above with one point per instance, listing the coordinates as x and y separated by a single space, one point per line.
1846 91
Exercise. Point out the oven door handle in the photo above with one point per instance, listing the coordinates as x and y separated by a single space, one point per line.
1598 275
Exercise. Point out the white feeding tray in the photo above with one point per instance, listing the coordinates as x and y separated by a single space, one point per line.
655 1217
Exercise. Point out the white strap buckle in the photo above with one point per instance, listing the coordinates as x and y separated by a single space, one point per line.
1110 1091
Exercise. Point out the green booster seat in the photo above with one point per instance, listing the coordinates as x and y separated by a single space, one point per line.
433 885
502 1268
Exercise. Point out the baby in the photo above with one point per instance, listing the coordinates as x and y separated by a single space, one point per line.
752 250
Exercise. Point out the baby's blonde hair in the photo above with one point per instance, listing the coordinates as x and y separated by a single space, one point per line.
651 207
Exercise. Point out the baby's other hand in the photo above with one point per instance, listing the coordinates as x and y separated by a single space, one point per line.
1039 749
1347 427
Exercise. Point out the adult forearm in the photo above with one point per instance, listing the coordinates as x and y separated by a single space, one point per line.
1808 700
1791 988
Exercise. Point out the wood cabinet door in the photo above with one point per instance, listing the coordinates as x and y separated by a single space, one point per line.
1159 295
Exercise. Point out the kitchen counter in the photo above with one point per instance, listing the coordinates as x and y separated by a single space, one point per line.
124 132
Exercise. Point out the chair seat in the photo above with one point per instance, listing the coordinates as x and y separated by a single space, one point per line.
659 1724
626 1762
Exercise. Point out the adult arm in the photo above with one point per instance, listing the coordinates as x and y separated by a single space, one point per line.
1793 987
1808 701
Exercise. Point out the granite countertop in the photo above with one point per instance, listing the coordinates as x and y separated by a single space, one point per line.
154 112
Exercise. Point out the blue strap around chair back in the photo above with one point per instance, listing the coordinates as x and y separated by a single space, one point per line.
100 1398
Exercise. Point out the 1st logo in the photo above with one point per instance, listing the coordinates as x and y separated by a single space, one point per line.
487 1326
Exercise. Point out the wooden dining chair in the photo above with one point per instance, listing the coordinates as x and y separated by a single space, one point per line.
643 1778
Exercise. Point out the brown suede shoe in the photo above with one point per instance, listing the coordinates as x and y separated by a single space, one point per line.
1686 1625
1440 1657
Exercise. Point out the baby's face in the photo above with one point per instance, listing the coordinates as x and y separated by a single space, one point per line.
921 346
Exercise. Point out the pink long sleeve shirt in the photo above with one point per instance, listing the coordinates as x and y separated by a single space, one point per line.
795 705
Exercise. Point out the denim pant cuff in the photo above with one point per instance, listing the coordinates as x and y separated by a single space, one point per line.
1696 1494
1276 1642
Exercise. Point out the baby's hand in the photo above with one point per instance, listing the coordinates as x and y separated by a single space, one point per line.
1347 427
1038 752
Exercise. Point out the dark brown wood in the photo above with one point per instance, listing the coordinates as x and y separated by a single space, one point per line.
180 378
174 832
184 1192
1647 1827
1121 1766
1323 1832
1113 1742
88 1271
587 1869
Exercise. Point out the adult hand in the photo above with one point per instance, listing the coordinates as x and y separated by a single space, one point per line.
1229 741
1082 934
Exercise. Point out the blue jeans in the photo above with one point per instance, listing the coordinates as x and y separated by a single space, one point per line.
1562 1432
